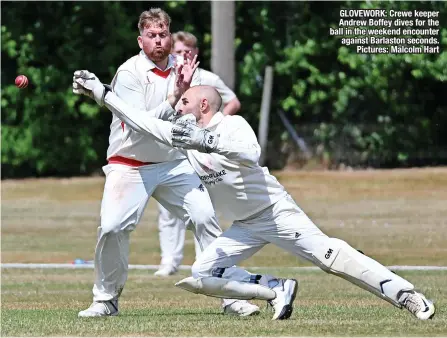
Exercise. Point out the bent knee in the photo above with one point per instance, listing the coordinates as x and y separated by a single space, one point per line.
199 270
113 225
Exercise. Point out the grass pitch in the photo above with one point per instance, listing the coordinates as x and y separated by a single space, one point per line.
46 302
398 217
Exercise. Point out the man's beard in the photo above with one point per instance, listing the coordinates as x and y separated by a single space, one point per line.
158 55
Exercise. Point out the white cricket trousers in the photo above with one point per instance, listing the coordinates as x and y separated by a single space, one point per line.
126 193
283 224
171 231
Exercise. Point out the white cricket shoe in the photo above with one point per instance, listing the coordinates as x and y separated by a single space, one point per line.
285 290
101 309
241 308
165 270
417 304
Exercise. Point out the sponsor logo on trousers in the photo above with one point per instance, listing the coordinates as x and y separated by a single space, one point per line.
328 254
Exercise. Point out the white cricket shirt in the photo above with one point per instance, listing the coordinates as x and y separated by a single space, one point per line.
142 85
239 187
207 78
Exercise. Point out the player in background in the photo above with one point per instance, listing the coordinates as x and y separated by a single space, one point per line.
224 152
140 167
172 229
185 47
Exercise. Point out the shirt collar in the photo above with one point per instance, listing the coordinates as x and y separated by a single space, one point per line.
215 120
148 64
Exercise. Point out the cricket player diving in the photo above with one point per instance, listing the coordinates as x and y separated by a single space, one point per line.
172 229
224 152
140 167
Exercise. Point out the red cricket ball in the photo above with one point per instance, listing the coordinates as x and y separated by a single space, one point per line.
21 81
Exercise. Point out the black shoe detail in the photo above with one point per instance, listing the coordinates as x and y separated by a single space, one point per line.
113 305
287 310
426 306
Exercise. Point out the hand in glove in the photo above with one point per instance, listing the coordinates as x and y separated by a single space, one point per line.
87 83
188 135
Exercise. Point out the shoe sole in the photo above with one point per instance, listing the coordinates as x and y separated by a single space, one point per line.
253 313
246 314
161 274
287 310
113 314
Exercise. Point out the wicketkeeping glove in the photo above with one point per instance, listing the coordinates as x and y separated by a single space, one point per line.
174 117
187 135
87 83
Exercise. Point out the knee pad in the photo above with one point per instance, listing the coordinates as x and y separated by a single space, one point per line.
226 288
339 258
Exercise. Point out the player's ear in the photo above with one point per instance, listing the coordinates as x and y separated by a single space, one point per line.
204 104
140 41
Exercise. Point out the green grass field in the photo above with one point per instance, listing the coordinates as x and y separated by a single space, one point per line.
398 217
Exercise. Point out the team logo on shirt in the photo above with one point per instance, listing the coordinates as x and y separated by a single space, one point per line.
213 177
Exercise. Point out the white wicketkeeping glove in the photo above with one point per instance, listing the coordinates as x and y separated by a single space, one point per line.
87 83
187 135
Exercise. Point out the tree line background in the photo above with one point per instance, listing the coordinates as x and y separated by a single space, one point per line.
351 109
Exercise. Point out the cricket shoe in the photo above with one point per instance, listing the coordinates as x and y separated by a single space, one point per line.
241 308
166 270
101 309
285 290
417 304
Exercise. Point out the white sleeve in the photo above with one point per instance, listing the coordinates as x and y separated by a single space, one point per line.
225 92
196 78
240 144
208 78
129 89
141 120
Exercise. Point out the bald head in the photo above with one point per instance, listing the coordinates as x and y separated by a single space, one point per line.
201 101
210 94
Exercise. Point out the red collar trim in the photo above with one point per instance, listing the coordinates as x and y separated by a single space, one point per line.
163 73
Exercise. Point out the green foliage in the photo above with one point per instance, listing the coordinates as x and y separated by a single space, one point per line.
364 109
46 129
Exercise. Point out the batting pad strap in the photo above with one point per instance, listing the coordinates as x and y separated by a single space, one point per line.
225 288
254 279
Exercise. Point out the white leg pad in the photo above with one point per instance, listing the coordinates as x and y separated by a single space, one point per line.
226 288
339 258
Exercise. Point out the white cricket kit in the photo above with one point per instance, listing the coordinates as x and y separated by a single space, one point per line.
140 167
262 210
207 78
171 229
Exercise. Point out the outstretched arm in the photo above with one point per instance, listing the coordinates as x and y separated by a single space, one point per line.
127 88
139 120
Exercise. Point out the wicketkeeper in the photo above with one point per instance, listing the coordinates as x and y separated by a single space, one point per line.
224 152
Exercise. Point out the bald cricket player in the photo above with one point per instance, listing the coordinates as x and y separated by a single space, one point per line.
224 152
171 228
